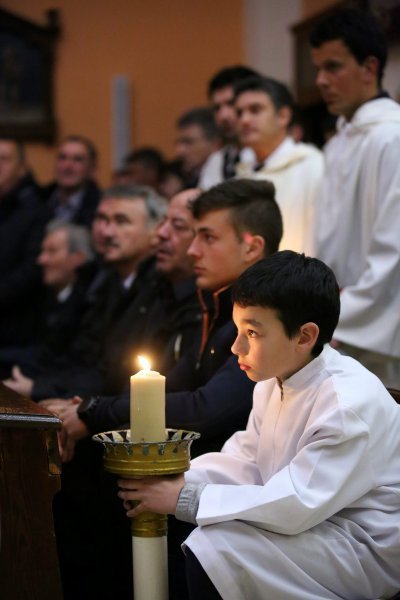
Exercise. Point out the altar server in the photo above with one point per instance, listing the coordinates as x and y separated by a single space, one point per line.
305 503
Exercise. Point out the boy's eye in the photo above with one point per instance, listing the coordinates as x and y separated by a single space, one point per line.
251 333
208 238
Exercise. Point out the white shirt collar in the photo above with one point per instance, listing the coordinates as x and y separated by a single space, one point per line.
65 293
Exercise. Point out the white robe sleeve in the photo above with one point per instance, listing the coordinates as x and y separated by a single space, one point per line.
220 467
330 471
236 463
370 307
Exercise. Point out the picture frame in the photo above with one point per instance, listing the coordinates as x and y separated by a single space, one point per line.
27 53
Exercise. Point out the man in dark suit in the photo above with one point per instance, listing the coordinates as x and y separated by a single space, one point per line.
22 221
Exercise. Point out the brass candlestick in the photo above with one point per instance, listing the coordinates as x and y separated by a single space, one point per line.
142 459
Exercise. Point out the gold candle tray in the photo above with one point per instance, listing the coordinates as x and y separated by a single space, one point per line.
137 459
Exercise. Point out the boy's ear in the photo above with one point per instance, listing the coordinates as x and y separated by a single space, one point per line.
308 337
285 114
371 64
255 247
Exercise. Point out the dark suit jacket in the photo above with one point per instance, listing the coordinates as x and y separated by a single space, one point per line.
62 321
87 209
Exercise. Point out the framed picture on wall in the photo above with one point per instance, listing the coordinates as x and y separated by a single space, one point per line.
26 77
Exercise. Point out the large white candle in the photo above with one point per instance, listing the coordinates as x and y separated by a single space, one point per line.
147 405
150 568
150 563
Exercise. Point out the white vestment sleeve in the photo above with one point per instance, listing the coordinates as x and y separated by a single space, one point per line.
236 463
330 471
369 312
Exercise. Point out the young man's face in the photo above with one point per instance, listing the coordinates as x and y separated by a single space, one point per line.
125 229
219 255
259 123
340 78
74 166
223 106
262 345
175 235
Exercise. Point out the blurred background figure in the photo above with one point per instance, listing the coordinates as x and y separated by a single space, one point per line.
197 139
265 109
173 180
127 220
67 272
145 167
74 194
221 165
22 221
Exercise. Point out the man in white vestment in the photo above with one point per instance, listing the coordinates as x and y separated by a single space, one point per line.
305 503
265 109
358 221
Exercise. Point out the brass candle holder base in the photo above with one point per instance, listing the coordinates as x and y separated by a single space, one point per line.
142 459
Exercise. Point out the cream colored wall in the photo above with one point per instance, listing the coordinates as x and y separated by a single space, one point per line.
168 48
268 39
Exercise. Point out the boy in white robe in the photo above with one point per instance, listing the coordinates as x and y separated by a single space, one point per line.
304 504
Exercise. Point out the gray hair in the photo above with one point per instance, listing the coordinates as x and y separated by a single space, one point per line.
78 237
156 205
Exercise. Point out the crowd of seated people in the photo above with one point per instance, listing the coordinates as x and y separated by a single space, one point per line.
91 278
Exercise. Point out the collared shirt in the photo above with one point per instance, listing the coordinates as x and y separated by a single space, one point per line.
66 209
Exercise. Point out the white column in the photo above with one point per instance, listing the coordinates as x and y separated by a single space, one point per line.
121 105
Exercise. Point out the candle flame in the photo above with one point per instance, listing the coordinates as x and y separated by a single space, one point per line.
144 363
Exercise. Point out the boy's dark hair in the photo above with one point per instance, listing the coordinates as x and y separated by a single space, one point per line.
229 76
252 207
203 117
277 91
358 30
299 288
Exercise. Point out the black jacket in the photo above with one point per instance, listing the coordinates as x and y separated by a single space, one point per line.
158 323
79 370
147 318
22 222
87 208
62 321
215 397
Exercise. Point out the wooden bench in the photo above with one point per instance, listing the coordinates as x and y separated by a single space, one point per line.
29 478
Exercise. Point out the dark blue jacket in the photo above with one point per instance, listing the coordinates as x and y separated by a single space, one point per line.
207 392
